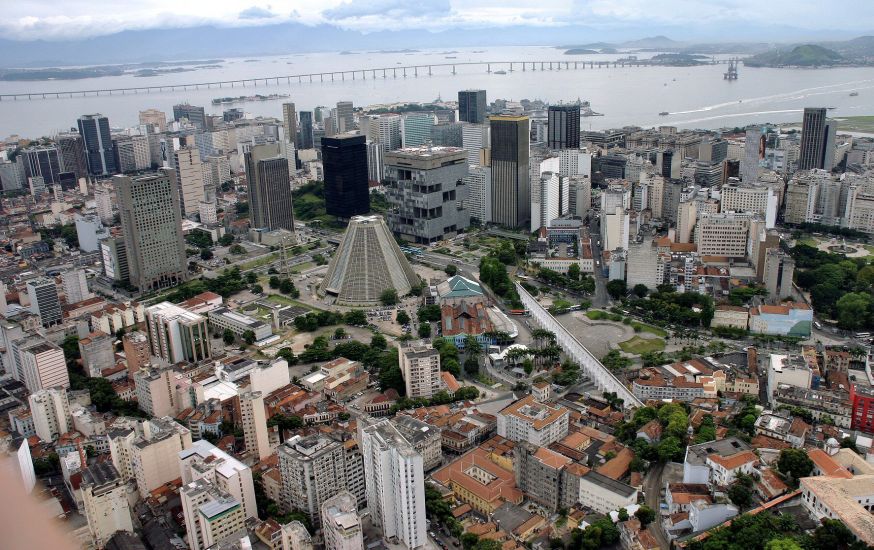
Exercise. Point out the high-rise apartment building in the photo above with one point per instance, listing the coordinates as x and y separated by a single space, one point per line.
194 114
50 410
156 391
396 484
39 364
44 301
475 140
472 106
313 469
341 523
269 188
176 334
211 515
754 154
420 368
189 179
346 178
254 420
537 423
203 460
132 153
511 192
152 226
747 197
104 495
550 198
563 130
75 285
447 133
137 352
157 119
97 138
152 455
425 186
44 162
345 117
289 122
305 130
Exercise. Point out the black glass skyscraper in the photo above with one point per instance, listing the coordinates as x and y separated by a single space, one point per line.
817 140
472 106
563 131
306 130
511 188
344 159
193 113
99 150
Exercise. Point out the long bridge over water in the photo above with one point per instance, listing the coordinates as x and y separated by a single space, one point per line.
405 71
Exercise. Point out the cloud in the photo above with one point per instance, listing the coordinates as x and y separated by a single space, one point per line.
388 8
256 12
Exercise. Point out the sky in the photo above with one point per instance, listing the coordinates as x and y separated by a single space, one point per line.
27 20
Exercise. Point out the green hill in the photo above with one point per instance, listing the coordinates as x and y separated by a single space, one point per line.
808 55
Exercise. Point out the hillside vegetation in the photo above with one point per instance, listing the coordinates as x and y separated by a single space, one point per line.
808 55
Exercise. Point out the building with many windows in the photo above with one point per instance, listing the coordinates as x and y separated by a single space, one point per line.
211 515
420 368
341 524
105 499
313 469
564 127
269 188
99 151
537 423
511 191
44 301
472 106
50 411
176 334
344 159
203 460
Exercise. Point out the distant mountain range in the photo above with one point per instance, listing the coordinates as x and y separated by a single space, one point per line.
807 55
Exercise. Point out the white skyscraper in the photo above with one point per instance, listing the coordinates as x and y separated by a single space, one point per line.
395 484
341 523
754 152
474 137
254 424
189 178
479 198
203 460
575 162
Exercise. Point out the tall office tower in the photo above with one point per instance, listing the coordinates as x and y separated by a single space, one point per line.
195 115
44 162
152 227
50 410
211 515
113 256
155 389
575 162
206 209
341 523
136 351
269 188
344 159
511 190
39 364
815 131
43 294
754 153
447 133
615 227
189 179
99 152
564 127
550 198
420 368
104 497
396 486
157 119
387 131
312 469
305 130
723 235
417 129
479 193
474 140
203 460
580 189
289 122
425 186
778 272
254 424
472 106
669 163
73 153
345 118
176 334
129 153
375 163
75 285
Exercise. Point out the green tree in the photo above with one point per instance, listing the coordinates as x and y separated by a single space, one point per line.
670 448
288 355
640 290
782 544
205 254
617 288
833 534
623 514
450 269
471 365
645 514
274 282
389 297
378 342
794 463
403 317
226 240
228 336
249 337
339 333
740 495
451 366
573 272
852 310
287 287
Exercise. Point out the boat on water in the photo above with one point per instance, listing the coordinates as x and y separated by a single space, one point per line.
451 57
830 108
500 72
854 94
664 113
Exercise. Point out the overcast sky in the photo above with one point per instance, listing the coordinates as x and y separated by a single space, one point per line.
66 19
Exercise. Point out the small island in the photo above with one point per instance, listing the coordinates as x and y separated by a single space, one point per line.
248 98
807 55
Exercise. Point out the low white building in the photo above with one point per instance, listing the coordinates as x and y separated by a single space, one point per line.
224 319
603 494
536 423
